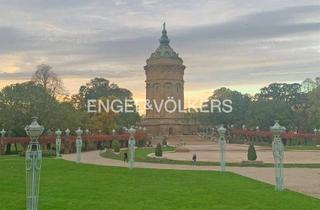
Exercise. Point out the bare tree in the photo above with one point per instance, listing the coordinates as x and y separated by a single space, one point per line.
45 77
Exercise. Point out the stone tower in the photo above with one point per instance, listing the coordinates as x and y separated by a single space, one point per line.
164 80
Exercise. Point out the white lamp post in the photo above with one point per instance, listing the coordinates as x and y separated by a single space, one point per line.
278 154
257 128
315 131
67 132
58 142
243 127
113 132
222 143
87 131
132 143
78 144
2 133
33 164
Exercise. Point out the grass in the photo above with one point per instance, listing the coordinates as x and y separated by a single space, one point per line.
66 185
141 156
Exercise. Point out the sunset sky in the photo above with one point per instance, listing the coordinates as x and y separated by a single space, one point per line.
243 45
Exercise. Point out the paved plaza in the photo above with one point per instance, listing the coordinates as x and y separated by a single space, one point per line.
235 153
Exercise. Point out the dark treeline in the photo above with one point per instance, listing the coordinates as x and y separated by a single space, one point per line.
297 106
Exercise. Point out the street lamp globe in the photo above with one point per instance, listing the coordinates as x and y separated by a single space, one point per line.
132 131
87 131
315 131
221 130
79 132
67 132
58 132
2 132
277 128
113 131
34 130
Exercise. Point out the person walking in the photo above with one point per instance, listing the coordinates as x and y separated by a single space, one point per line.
194 159
125 157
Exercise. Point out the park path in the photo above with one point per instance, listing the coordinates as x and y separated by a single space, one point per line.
304 180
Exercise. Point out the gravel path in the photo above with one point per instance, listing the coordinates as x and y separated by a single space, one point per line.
302 180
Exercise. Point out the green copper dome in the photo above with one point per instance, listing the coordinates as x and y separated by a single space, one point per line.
164 50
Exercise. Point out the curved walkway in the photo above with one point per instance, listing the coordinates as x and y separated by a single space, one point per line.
304 180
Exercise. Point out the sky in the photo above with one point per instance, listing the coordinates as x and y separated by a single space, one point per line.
243 45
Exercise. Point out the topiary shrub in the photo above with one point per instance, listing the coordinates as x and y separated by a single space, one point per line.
158 151
115 146
252 154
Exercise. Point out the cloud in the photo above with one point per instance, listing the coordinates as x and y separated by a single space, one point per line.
220 42
14 40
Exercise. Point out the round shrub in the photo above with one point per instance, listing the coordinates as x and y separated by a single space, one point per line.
252 154
158 151
115 146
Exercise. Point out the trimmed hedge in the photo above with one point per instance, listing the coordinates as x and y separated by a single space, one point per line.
252 154
158 151
115 146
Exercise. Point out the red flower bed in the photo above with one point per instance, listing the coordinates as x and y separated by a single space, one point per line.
139 136
268 134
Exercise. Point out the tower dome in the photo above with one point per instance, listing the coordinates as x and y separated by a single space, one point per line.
164 51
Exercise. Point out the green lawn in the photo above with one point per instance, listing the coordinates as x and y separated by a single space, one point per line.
141 154
70 186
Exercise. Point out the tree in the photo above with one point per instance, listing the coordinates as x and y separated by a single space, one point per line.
317 80
288 93
115 146
308 85
263 112
240 105
21 102
101 89
98 88
45 77
313 109
104 121
282 101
